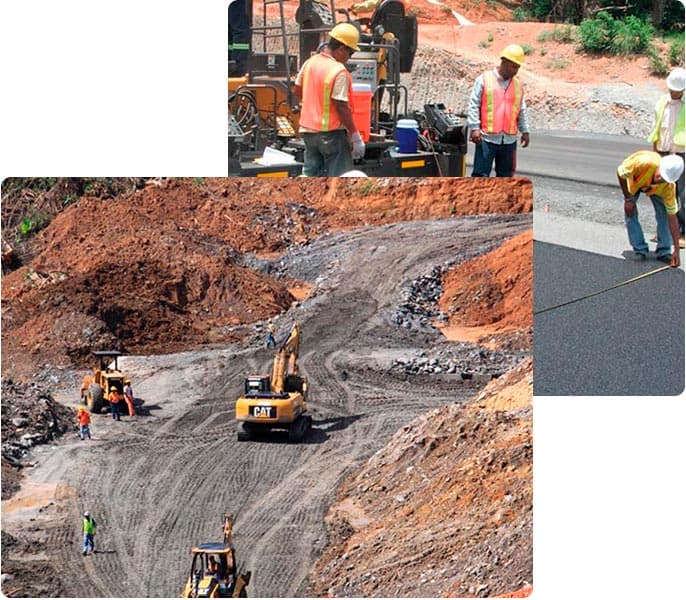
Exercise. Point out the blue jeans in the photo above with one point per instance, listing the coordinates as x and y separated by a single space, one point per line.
84 431
115 410
635 231
504 155
88 543
327 154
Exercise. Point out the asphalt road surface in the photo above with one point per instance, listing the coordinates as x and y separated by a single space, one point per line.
626 341
159 483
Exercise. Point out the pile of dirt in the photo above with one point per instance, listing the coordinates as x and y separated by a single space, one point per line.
445 509
164 269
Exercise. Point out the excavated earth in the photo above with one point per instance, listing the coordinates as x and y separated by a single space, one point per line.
418 468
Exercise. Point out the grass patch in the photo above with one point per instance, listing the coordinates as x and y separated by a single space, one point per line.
557 63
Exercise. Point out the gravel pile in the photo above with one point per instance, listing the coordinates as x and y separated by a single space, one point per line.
30 416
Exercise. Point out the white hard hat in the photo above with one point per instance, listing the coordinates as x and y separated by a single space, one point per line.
354 173
671 167
86 514
676 80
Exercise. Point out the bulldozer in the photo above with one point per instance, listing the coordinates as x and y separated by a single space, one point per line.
106 375
277 401
225 580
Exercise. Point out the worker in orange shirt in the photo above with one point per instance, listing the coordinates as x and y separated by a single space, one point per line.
128 397
114 399
84 419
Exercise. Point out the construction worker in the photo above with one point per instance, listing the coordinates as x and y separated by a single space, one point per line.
114 399
324 86
213 567
668 136
648 172
271 340
239 37
88 526
84 419
497 111
128 397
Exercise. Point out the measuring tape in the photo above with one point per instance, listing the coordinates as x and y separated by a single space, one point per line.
612 287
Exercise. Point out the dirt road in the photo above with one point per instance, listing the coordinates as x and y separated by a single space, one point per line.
159 483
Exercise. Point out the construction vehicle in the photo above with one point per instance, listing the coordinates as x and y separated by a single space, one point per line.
226 581
277 401
106 375
264 110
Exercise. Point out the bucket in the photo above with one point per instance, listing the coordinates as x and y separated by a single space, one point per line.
406 132
361 104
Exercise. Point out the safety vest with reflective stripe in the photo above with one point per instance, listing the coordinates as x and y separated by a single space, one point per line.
638 169
88 525
318 76
500 107
679 137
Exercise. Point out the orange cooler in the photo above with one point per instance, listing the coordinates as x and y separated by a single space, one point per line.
361 103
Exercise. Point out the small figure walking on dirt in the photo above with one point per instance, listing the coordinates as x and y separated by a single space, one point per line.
128 396
89 525
114 399
84 418
271 340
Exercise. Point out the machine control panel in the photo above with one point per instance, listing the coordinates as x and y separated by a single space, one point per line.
363 70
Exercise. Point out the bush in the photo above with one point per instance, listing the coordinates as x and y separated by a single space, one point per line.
676 52
596 35
564 34
658 66
520 15
632 36
527 49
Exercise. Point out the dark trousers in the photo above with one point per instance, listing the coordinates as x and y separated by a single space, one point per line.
504 155
239 36
679 194
115 410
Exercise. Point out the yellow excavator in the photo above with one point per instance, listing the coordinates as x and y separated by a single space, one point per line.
277 401
214 573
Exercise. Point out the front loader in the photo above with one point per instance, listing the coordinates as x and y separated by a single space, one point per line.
96 388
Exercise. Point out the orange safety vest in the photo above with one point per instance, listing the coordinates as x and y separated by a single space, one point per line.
500 108
114 397
318 111
84 417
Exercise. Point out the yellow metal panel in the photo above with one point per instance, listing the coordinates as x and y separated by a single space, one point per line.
411 164
274 174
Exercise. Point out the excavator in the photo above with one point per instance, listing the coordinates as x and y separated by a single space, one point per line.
222 581
277 401
264 111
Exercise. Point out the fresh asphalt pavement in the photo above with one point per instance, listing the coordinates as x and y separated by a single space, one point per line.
607 339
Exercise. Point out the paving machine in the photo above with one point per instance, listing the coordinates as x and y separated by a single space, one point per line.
224 579
106 375
276 401
264 110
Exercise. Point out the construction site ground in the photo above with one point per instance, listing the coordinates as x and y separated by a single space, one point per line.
409 422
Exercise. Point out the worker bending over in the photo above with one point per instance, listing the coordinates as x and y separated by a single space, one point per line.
647 172
324 86
497 111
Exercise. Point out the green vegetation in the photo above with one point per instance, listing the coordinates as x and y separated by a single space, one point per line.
658 66
605 35
528 49
557 63
487 42
564 34
676 52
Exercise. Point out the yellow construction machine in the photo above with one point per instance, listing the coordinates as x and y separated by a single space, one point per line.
106 375
277 401
214 573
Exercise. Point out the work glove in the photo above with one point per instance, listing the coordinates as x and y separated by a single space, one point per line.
358 145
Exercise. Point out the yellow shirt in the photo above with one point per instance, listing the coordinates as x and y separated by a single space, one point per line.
638 169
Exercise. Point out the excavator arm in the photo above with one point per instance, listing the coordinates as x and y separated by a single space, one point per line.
285 361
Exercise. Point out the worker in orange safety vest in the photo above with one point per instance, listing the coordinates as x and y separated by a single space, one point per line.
84 419
114 399
325 87
497 112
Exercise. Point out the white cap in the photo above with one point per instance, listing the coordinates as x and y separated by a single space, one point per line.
671 167
676 80
86 514
353 174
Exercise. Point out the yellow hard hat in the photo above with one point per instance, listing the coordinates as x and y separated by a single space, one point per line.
513 53
347 34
